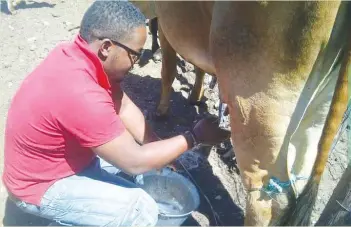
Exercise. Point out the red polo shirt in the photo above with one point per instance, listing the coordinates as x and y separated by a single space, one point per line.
61 109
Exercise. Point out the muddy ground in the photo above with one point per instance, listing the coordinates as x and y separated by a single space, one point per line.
28 36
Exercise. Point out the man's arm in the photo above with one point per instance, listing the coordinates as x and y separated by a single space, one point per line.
134 120
134 159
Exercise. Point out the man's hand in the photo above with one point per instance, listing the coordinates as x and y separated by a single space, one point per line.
207 132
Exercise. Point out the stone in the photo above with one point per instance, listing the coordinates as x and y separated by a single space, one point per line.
55 15
32 39
32 47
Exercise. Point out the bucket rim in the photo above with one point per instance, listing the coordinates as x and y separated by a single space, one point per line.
195 195
176 215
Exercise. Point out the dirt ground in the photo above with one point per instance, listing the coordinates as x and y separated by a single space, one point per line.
27 37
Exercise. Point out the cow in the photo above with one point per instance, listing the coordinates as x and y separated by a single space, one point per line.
148 9
283 70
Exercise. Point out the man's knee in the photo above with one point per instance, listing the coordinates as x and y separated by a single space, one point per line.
144 211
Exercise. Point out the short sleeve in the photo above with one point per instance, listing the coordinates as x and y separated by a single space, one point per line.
89 115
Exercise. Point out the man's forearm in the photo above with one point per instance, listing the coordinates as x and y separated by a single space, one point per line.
159 154
134 159
135 122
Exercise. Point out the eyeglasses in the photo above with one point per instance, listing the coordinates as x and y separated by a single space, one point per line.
135 54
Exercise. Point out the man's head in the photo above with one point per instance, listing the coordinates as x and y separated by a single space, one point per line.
116 32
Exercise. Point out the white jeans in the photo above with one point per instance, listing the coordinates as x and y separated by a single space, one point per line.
95 197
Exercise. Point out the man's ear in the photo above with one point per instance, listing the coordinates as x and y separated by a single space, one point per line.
105 48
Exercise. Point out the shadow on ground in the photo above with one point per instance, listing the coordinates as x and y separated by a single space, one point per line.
145 92
23 5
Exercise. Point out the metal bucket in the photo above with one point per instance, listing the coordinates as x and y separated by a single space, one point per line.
175 195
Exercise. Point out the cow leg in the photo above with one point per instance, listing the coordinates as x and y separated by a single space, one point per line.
153 29
167 74
213 82
261 80
10 6
198 90
155 48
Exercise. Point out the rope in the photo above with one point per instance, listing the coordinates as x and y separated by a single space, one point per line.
346 209
275 186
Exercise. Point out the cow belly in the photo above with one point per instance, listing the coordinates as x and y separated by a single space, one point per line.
186 26
199 57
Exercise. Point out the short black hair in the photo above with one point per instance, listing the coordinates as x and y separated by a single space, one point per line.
110 19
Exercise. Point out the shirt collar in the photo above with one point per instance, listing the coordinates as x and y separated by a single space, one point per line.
97 67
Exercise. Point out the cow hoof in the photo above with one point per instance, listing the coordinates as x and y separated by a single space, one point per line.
12 12
11 8
157 56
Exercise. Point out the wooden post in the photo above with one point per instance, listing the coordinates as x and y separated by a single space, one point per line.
338 210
